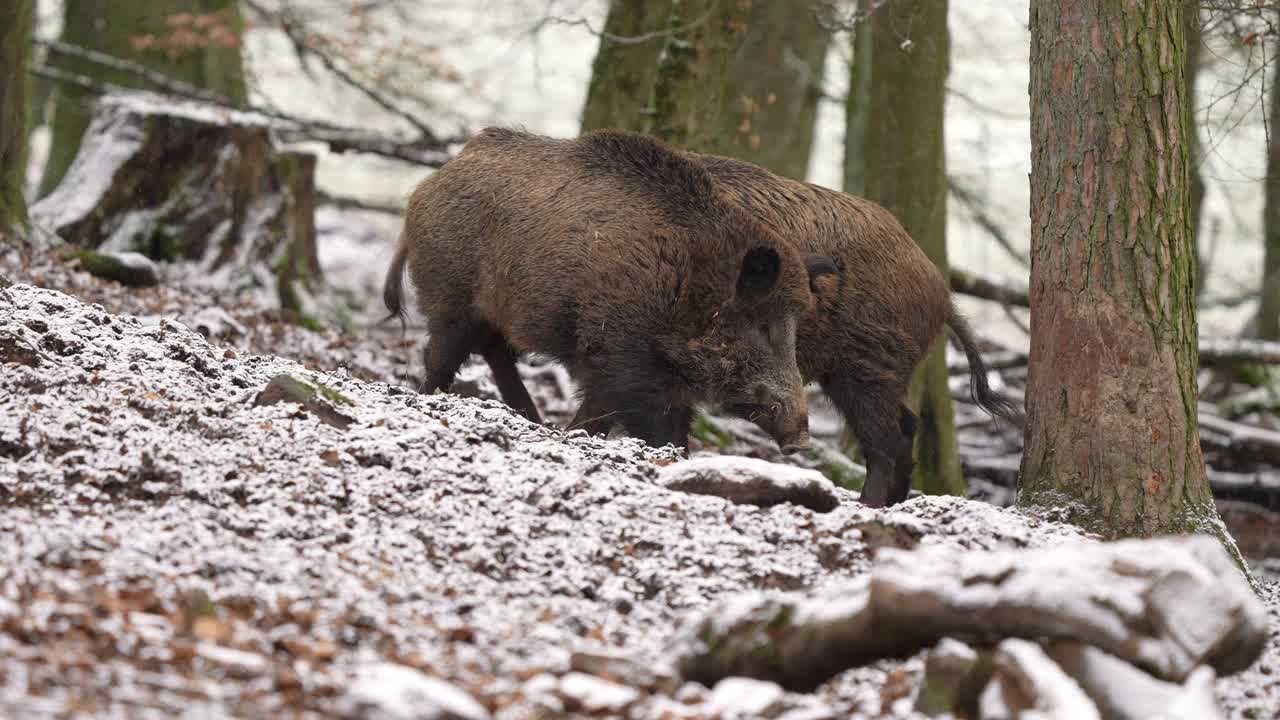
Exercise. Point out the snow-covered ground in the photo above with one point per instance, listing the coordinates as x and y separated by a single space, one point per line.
171 545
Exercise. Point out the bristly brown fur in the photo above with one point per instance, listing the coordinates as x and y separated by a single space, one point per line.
615 255
872 325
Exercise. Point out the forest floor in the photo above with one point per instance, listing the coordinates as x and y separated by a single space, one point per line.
172 546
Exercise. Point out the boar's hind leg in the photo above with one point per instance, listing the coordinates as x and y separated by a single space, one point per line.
448 345
502 361
874 413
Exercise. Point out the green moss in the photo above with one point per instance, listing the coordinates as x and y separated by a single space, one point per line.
165 244
332 395
109 267
310 323
709 433
5 282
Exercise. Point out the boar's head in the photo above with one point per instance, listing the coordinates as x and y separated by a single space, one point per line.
745 354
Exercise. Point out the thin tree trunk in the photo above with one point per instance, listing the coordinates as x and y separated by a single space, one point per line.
16 20
1111 396
857 107
623 72
1191 20
118 27
906 172
1269 310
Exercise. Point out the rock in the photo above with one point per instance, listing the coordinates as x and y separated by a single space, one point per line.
1166 605
237 662
738 697
954 675
591 694
316 399
127 268
752 482
1027 684
1122 691
213 322
387 691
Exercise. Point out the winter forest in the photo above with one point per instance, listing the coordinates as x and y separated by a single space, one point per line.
653 359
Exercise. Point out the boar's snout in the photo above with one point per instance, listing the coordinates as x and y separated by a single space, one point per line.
792 433
786 421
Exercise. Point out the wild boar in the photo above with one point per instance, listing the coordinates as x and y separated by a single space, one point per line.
612 254
873 321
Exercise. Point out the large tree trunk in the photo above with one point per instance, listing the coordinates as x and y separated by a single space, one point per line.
775 82
906 172
740 78
16 20
1111 396
122 28
623 72
1269 309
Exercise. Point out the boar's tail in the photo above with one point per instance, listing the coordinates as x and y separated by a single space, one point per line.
983 395
393 286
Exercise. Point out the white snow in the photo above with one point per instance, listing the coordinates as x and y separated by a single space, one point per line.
388 691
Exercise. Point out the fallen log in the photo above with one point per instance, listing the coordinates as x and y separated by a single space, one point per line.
1166 605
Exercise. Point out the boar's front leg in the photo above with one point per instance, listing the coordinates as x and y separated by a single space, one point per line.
590 418
873 412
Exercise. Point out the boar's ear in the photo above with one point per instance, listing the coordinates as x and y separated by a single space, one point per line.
760 269
819 265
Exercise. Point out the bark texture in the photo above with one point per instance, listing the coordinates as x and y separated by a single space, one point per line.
775 81
120 27
623 72
905 168
1111 396
16 19
1269 309
1191 20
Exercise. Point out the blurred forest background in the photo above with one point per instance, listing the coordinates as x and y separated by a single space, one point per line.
398 67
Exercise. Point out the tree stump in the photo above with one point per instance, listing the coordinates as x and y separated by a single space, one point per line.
187 182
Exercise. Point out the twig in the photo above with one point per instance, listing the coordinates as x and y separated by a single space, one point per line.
289 26
351 203
985 221
339 139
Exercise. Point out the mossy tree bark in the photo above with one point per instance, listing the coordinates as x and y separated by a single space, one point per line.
116 27
1269 309
623 72
905 164
1111 397
1191 21
740 78
16 20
